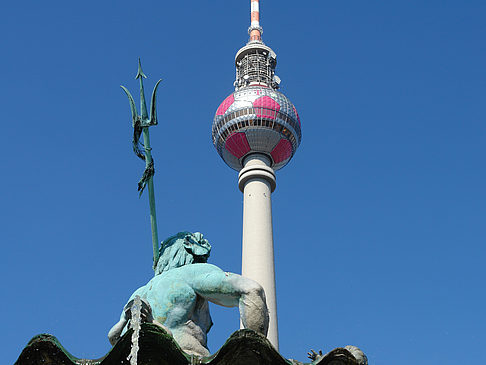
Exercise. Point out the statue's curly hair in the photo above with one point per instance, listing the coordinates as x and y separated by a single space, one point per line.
174 252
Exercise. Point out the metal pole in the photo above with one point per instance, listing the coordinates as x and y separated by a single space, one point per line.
150 183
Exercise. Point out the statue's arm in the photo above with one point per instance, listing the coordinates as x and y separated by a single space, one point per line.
116 330
231 290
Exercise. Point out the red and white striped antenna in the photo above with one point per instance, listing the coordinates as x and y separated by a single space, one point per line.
255 29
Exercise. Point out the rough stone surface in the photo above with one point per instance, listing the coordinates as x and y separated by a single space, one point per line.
244 347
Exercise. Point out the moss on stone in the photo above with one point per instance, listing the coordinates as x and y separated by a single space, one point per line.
243 347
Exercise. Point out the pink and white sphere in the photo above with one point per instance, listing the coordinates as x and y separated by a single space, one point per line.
256 119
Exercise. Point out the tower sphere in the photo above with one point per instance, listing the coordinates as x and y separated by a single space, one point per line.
256 119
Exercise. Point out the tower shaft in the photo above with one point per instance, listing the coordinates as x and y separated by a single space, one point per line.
257 182
256 130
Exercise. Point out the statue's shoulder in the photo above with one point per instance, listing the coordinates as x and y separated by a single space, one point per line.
192 274
202 268
193 271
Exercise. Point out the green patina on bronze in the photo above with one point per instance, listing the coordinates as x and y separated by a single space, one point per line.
141 124
244 347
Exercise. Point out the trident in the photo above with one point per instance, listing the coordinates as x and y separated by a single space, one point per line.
141 124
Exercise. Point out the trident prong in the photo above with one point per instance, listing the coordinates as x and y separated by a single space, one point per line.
153 105
145 120
141 123
132 105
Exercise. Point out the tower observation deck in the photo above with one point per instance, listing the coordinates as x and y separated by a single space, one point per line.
256 130
256 118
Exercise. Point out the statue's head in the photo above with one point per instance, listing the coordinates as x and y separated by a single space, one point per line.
183 248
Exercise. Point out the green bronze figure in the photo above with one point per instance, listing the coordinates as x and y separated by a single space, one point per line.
176 299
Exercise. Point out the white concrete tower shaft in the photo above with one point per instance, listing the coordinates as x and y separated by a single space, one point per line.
256 131
257 182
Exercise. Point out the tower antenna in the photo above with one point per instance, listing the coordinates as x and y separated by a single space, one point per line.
255 30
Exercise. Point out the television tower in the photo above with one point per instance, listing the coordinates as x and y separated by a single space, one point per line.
256 130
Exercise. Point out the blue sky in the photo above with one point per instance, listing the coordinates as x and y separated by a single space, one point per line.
379 219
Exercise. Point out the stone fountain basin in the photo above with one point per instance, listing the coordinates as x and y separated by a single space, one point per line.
243 347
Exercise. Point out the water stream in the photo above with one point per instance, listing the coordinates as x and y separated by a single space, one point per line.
135 324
